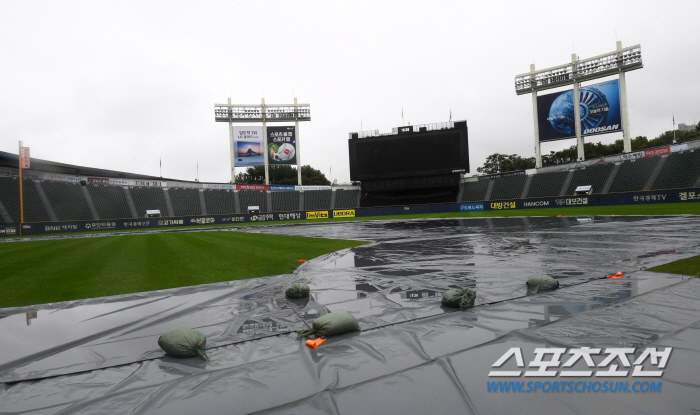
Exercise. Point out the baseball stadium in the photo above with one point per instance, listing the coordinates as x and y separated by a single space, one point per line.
417 287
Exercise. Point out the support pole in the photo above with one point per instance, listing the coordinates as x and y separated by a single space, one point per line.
538 153
296 134
577 111
627 142
264 117
21 194
230 136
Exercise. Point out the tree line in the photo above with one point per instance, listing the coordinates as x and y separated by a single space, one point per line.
496 163
283 174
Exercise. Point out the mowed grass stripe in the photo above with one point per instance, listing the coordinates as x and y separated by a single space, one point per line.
688 266
37 272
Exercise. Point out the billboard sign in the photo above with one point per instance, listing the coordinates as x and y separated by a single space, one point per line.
24 157
281 145
599 106
657 151
248 146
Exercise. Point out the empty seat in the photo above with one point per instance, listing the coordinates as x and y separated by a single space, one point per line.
110 201
346 199
285 201
185 201
317 199
253 198
633 175
680 171
220 202
547 184
474 191
67 200
508 187
595 175
148 198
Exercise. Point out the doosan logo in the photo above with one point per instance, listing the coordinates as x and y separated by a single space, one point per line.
601 129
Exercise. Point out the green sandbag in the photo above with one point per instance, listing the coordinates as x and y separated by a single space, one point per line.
541 283
331 324
184 343
297 290
457 297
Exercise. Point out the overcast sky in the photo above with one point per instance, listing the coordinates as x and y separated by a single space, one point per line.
118 85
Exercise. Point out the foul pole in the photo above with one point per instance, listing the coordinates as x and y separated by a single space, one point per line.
21 194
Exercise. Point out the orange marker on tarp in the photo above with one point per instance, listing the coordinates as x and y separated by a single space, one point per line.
301 260
618 275
315 342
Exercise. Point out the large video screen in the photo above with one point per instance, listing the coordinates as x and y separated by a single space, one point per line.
599 106
410 154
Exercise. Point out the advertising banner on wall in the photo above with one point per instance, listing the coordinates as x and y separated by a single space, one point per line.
281 145
248 146
599 106
24 157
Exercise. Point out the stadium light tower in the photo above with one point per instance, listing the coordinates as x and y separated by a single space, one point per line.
264 113
613 63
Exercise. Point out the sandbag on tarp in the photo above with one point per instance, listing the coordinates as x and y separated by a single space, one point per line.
297 290
331 324
184 343
459 297
541 283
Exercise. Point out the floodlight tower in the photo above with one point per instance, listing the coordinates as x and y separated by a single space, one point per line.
612 63
264 113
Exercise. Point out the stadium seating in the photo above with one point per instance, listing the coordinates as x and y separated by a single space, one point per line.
595 175
109 201
148 198
9 196
475 191
633 175
317 199
67 200
508 187
285 201
185 201
547 184
346 199
220 202
253 198
680 170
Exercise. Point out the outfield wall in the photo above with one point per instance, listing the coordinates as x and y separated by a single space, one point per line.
634 198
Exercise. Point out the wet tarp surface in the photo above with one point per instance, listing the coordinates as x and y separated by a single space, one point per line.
413 355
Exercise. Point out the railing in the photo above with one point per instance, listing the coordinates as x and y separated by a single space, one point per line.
226 113
608 64
413 128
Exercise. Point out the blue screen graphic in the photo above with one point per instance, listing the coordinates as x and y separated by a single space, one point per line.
599 106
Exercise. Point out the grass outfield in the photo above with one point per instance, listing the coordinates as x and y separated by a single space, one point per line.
37 272
688 266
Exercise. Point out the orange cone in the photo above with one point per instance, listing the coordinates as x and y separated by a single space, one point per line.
315 342
301 260
618 275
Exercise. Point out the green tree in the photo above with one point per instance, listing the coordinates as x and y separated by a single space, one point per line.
284 174
313 177
497 163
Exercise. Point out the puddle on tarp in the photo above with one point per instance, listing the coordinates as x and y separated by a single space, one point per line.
399 278
396 369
